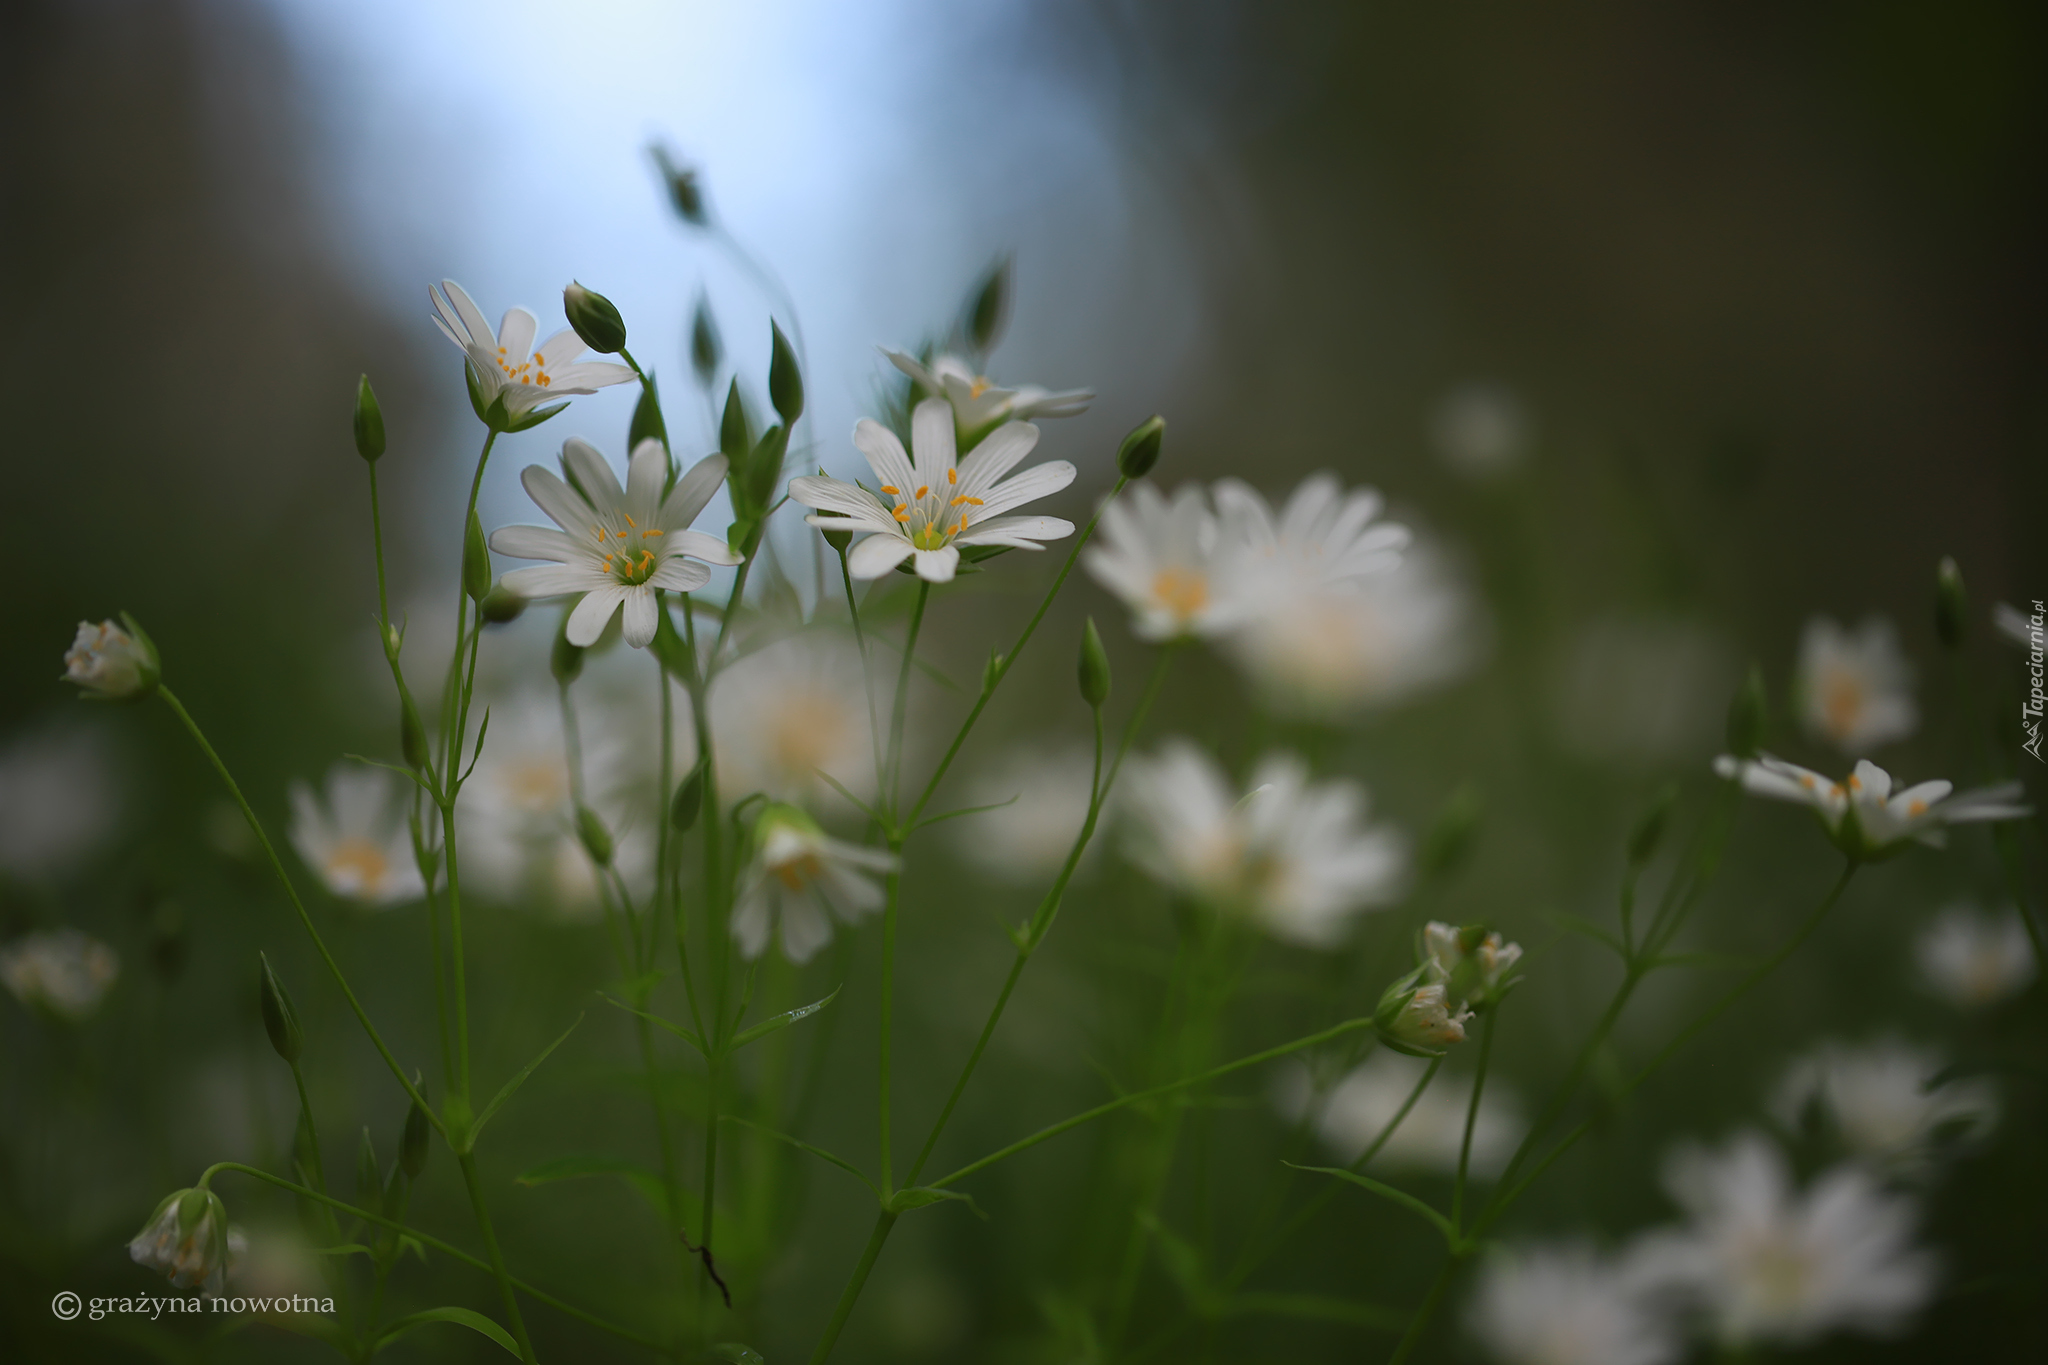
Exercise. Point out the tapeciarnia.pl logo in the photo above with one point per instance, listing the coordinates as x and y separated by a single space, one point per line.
2031 709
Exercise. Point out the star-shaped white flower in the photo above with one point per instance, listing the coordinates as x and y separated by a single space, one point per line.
1323 536
356 837
1160 556
1862 814
801 878
506 362
934 508
1972 959
1855 687
617 545
976 402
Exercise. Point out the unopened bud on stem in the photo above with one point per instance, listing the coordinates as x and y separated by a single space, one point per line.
597 840
476 561
1951 604
689 800
280 1020
1094 667
1649 831
1140 450
785 377
412 1147
369 422
595 318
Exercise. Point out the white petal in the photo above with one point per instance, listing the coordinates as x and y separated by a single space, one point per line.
559 349
697 545
691 492
1016 531
480 333
646 476
999 452
587 377
876 555
679 575
937 566
908 363
590 472
1037 482
561 502
515 335
885 455
539 542
592 614
552 580
642 616
931 440
834 495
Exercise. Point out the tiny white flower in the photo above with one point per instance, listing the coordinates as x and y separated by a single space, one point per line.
1972 959
507 364
186 1240
1420 1018
355 837
790 713
1045 796
1882 1101
931 510
1476 965
800 879
616 546
1767 1263
60 797
1480 430
61 971
109 662
1359 1107
1568 1304
1160 556
1855 688
2018 627
1862 814
976 402
1295 857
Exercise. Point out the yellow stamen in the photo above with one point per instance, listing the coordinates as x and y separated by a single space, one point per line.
652 531
901 514
629 521
890 491
952 476
1181 591
1916 809
979 387
923 489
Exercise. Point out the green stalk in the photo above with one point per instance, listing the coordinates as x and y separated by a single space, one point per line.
894 881
867 684
902 703
456 951
849 1296
467 1161
1472 1119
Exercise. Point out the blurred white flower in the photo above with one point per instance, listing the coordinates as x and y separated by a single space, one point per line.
2019 627
1472 963
1972 959
356 837
1295 856
1564 1303
939 506
788 712
1767 1263
616 546
1480 430
1882 1100
271 1263
1323 536
1636 688
506 363
1360 1106
1160 557
976 402
108 662
59 797
801 877
1862 814
1855 688
186 1240
1323 649
1028 839
61 971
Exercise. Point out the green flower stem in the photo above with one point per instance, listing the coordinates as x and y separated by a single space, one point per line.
711 1078
467 1160
377 542
893 883
902 702
860 641
427 879
457 715
1472 1118
455 953
1430 1303
884 1221
333 967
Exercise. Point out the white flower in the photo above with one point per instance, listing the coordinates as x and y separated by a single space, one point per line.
1480 430
937 507
1855 689
1160 557
507 364
1360 1106
800 877
1418 1018
1883 1102
1567 1304
59 798
789 712
976 402
1972 959
108 662
1294 856
616 545
1474 964
1766 1263
357 839
1028 839
1862 814
186 1239
1322 536
61 971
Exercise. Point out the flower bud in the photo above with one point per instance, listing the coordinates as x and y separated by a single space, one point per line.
565 660
1094 667
394 640
705 350
597 840
734 437
113 664
992 671
1416 1018
647 423
369 422
412 1147
595 318
838 540
1140 450
683 190
1471 963
186 1240
412 736
990 308
476 561
1449 841
688 801
369 1181
1649 831
501 605
785 377
280 1020
1746 715
1951 604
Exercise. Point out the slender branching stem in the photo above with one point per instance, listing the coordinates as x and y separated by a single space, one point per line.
1472 1118
467 1160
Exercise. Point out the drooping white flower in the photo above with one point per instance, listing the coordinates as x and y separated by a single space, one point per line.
109 662
789 712
1855 688
1862 814
60 797
1160 556
931 510
1566 1303
1475 964
1420 1017
356 837
800 880
507 364
1045 796
60 971
186 1240
1358 1108
1972 959
978 403
616 546
1882 1101
1480 430
1295 856
1767 1263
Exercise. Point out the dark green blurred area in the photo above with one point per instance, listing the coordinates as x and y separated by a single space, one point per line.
1769 282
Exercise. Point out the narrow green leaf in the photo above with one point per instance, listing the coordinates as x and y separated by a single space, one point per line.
583 1166
463 1317
1585 927
841 1162
968 810
1388 1192
783 1020
513 1085
738 1353
678 1030
918 1196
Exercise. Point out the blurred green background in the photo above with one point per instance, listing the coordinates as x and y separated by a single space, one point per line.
1765 284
